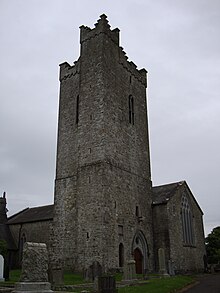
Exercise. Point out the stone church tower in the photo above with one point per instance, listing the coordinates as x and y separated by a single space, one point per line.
103 182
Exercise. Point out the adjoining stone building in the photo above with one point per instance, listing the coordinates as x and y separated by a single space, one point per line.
105 208
178 228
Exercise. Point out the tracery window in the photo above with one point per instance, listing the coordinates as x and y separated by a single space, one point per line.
131 109
187 222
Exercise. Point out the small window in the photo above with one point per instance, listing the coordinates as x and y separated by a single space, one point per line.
131 110
137 213
77 109
121 255
120 230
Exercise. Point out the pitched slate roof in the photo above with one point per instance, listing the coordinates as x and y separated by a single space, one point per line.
36 214
163 193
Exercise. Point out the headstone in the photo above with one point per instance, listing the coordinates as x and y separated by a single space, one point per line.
34 274
162 263
56 275
94 271
1 268
130 271
107 284
171 268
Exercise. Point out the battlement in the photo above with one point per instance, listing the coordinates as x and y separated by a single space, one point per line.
67 70
140 74
102 26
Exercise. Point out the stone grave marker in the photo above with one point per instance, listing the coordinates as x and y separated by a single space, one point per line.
162 263
34 274
171 268
107 284
130 271
1 268
94 271
56 273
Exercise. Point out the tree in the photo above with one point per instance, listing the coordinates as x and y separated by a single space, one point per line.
3 247
213 246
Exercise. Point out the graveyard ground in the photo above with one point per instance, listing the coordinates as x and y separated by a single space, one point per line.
153 285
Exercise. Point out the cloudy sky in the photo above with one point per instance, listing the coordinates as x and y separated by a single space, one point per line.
177 41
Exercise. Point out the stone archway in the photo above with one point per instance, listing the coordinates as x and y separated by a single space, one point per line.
140 252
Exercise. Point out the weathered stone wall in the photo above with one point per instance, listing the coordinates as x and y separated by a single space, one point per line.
185 258
168 234
34 232
161 233
103 164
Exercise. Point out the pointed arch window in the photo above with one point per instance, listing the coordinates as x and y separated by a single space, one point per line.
187 222
131 109
23 239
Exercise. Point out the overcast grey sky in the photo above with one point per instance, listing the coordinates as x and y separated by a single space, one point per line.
177 41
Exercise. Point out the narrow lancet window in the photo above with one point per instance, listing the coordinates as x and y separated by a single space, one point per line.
121 255
131 110
77 109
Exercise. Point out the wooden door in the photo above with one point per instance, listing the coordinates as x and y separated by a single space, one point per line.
138 257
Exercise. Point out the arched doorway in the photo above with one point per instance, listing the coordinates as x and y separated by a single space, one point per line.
140 252
121 255
138 257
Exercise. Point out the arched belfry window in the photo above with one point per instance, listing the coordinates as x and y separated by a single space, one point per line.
187 222
77 109
131 109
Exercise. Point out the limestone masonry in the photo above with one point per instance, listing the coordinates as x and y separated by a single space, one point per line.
106 214
103 189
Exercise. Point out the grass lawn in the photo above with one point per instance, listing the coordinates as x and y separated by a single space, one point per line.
14 277
156 285
73 279
163 285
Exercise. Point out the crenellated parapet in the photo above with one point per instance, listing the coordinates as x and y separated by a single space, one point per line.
140 74
67 70
102 26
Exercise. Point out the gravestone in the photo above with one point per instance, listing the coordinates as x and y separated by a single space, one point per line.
56 273
1 268
94 271
130 271
171 268
107 284
162 263
34 274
